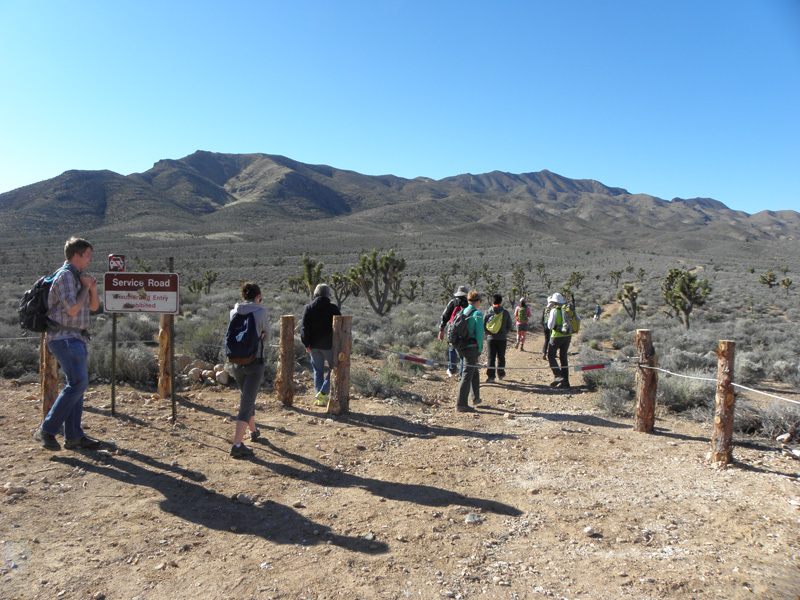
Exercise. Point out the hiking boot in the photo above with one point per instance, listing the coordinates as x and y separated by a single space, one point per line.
564 385
254 435
46 440
522 347
322 399
557 382
464 409
83 443
476 401
241 451
451 373
490 379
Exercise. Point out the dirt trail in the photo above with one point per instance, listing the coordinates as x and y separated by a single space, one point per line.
534 495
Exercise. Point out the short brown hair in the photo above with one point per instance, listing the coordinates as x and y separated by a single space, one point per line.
75 245
473 296
249 291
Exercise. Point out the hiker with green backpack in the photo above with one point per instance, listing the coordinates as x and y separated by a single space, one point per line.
522 315
497 323
466 335
561 322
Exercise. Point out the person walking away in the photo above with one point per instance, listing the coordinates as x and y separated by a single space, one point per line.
522 315
73 294
545 329
499 320
597 311
469 354
250 374
458 303
316 333
560 338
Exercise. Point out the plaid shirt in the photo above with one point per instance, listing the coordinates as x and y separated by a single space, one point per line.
63 295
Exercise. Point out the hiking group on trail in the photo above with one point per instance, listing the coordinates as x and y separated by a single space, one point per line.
465 328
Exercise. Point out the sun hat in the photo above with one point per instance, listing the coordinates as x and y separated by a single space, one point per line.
461 291
556 299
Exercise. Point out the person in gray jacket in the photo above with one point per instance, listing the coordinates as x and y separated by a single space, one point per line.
249 376
498 339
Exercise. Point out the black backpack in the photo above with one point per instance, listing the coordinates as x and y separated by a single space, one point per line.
33 306
241 339
458 335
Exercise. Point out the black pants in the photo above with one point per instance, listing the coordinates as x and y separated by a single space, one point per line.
546 339
559 345
497 352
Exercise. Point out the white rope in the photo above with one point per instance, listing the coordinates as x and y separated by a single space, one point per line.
714 381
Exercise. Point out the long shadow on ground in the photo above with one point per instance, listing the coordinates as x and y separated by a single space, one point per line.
196 504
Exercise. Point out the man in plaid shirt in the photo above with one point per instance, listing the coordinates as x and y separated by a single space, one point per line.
72 295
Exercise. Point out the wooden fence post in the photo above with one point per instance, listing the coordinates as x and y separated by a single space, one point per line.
164 352
339 401
284 379
646 383
48 377
721 445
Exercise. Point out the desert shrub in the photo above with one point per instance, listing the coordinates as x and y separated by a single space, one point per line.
363 383
596 333
202 337
681 361
778 418
786 372
18 358
135 363
616 401
746 370
391 381
680 394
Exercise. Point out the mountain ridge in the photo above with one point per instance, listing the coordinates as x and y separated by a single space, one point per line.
210 192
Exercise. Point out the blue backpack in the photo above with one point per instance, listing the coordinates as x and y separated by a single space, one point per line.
241 339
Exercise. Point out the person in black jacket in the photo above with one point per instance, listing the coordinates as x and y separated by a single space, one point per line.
459 300
316 333
497 341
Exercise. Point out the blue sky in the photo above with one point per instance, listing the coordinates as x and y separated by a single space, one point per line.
675 99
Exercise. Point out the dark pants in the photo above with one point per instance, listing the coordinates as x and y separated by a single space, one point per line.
497 351
559 345
470 378
546 339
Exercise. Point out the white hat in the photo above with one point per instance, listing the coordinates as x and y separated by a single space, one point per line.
556 299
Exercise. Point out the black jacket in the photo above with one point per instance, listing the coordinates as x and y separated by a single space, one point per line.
451 306
316 327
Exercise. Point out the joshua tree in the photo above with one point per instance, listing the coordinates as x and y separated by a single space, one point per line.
342 286
769 279
615 277
312 273
628 296
786 284
682 292
378 277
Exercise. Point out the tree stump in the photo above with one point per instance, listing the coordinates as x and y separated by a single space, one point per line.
164 353
339 401
646 383
284 379
48 377
721 444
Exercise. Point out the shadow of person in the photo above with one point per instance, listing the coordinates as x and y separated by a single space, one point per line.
194 503
404 492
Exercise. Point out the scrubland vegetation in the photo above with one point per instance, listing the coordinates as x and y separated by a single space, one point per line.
740 301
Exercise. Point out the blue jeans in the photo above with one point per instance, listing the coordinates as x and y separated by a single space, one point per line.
322 380
454 361
65 416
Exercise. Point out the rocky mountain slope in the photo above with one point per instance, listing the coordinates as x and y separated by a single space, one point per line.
209 192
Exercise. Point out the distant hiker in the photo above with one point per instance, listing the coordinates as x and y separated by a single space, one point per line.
597 311
469 354
560 337
522 315
316 333
497 323
458 303
248 326
545 329
73 294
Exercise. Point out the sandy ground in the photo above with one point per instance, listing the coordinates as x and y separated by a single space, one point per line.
534 495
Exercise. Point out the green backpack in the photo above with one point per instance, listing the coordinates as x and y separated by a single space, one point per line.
495 323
